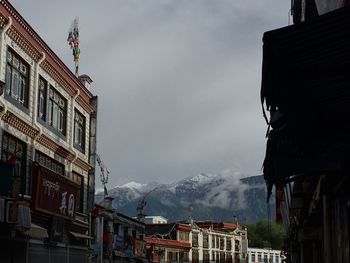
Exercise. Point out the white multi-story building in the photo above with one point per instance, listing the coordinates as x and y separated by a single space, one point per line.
47 148
155 220
218 242
197 242
262 255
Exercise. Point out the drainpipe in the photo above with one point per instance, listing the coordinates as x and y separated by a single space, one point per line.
72 131
35 105
2 39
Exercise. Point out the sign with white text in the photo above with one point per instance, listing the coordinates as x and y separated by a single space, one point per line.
53 193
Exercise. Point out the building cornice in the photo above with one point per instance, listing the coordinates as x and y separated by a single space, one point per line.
44 140
82 164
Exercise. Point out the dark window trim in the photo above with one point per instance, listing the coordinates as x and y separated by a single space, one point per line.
44 117
78 147
44 122
81 192
52 160
64 132
23 159
9 97
15 103
50 128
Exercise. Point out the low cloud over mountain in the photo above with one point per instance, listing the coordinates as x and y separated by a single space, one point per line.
211 197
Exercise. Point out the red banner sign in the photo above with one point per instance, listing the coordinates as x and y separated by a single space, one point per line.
53 194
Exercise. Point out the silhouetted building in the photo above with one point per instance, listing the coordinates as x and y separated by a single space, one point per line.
305 87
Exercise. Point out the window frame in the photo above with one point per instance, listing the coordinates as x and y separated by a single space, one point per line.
21 159
76 126
40 156
23 77
53 108
42 91
79 179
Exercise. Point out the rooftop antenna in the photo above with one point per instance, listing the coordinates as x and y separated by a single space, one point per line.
104 174
236 220
190 219
141 210
73 41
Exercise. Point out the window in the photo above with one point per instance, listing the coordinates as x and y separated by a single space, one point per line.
228 244
80 180
17 78
12 148
222 257
183 256
222 243
206 258
237 246
195 239
57 111
253 257
42 99
195 256
79 131
184 236
49 163
205 241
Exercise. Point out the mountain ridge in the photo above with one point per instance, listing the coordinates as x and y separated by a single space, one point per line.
216 197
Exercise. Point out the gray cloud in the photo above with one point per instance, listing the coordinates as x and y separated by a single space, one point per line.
178 80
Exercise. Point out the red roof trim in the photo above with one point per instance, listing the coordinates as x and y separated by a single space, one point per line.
218 225
167 242
183 227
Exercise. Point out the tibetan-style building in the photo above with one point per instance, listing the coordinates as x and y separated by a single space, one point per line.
47 149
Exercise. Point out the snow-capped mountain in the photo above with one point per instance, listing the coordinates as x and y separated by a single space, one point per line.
211 197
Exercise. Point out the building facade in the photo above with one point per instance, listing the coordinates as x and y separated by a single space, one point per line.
47 149
116 237
197 242
219 242
168 242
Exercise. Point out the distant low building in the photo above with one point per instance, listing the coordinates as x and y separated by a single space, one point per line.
257 255
219 242
155 220
168 242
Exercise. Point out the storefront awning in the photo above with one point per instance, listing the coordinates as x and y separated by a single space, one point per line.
78 235
36 232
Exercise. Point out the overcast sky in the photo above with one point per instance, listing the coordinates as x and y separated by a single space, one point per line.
178 80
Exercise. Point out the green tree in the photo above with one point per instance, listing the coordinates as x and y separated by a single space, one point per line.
263 235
